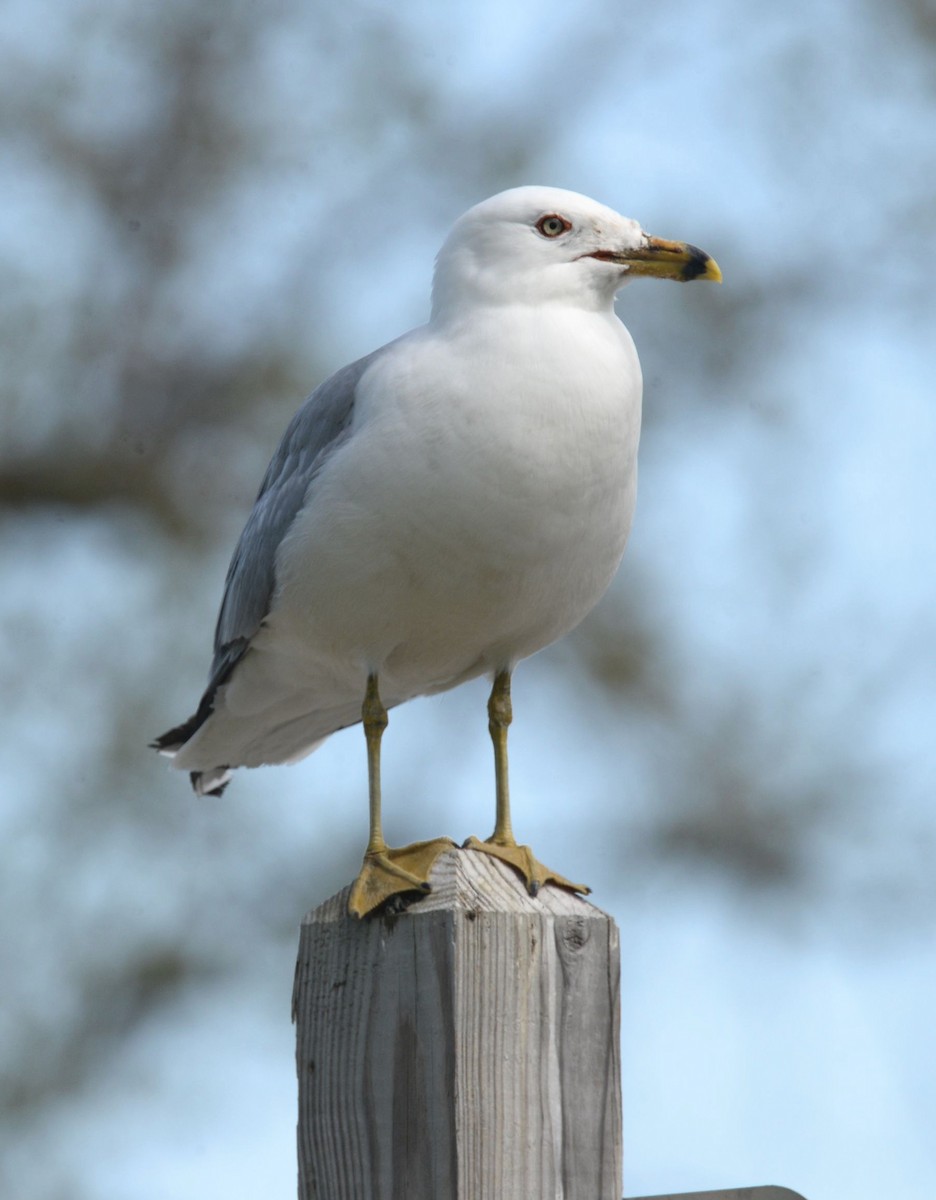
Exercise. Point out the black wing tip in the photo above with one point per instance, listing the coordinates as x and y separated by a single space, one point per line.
204 783
174 739
210 783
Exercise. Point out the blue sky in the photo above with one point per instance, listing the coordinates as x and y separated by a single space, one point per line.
784 536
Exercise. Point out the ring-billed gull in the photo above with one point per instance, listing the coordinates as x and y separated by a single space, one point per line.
440 509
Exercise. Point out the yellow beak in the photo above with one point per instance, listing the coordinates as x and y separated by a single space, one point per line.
665 260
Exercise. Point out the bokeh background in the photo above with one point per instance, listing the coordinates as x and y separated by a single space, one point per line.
205 209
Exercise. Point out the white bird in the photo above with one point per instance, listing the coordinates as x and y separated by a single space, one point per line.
440 509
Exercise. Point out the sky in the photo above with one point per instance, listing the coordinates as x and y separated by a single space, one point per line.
778 1033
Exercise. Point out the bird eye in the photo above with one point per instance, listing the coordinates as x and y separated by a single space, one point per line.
552 225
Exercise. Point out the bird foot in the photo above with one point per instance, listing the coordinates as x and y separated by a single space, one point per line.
388 872
521 858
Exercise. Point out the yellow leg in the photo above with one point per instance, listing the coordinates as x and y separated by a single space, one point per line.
502 844
386 872
375 719
500 715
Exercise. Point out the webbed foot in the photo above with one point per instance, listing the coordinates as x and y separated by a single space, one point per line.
522 859
390 871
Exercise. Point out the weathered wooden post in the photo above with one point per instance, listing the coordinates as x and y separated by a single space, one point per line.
466 1049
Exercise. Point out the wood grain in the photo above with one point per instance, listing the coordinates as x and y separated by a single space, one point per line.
464 1050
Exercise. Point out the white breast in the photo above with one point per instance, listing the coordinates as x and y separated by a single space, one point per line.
479 509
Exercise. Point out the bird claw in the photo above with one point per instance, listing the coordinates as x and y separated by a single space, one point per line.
522 859
389 872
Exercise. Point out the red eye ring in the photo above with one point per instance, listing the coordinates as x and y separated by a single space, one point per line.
552 225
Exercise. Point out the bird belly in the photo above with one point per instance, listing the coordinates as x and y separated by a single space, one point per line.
469 520
499 534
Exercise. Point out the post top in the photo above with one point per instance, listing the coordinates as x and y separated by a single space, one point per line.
469 881
756 1193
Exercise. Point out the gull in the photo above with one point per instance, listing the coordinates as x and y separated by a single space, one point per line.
439 510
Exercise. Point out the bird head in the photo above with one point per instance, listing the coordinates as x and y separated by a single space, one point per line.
536 245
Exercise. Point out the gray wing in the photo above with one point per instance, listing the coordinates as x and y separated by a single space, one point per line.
315 432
